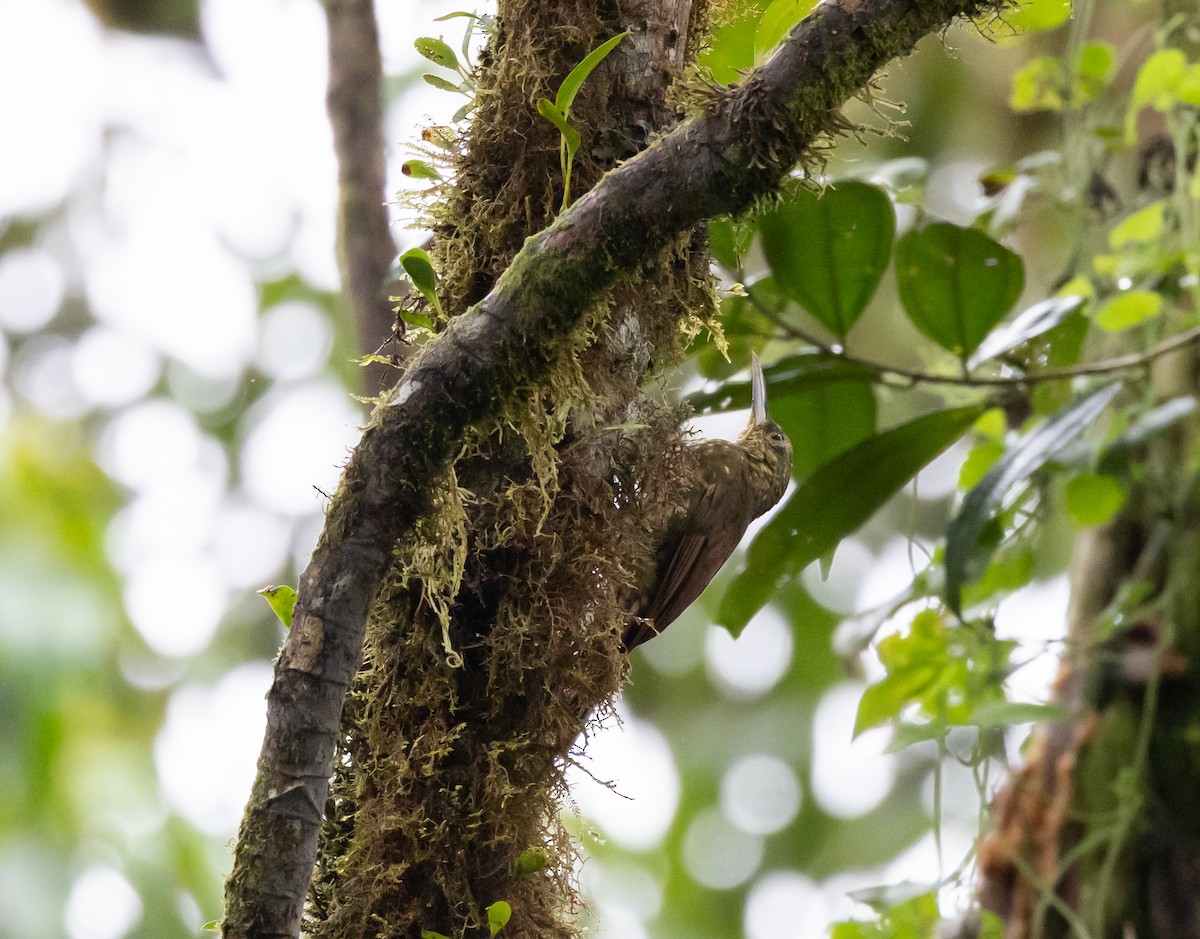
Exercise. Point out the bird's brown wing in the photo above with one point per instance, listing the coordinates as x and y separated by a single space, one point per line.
698 552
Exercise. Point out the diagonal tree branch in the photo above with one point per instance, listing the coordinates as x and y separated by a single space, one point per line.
718 162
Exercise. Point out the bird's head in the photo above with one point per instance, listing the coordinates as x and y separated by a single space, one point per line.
765 442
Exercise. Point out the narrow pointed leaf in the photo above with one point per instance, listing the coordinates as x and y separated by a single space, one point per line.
440 83
834 502
956 284
966 557
549 110
1030 323
828 251
578 75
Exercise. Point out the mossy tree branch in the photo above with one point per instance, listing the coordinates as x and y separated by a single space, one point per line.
491 358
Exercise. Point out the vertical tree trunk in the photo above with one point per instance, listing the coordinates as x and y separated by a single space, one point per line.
1099 835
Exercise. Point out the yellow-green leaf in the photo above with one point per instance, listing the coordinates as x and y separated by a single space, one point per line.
982 457
419 169
1156 86
779 17
436 51
1035 15
1157 80
498 915
1128 309
1092 499
419 269
1039 86
282 600
1143 225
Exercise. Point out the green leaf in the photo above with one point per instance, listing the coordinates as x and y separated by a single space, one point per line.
419 169
1143 225
833 503
965 555
1007 713
1117 454
788 376
916 663
436 52
1039 85
282 600
882 898
731 49
729 241
433 934
981 458
825 420
498 915
1188 89
828 250
532 860
1093 70
1157 79
906 735
1030 323
420 271
1034 15
1093 499
417 320
912 919
1156 86
956 284
1128 309
575 79
547 109
1010 569
440 83
776 21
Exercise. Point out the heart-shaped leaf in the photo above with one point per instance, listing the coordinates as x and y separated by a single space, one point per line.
828 250
956 284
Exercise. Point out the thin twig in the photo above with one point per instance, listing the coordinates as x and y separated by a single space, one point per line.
918 376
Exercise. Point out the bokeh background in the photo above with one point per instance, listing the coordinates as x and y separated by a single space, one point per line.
175 394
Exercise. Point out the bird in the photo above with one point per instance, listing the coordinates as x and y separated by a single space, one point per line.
735 483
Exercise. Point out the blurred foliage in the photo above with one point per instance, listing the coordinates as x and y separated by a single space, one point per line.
906 302
165 17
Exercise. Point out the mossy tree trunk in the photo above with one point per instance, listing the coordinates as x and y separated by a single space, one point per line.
486 655
1098 837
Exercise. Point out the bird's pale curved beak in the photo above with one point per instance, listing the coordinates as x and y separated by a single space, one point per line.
758 391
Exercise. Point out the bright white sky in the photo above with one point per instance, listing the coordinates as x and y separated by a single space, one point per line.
186 180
